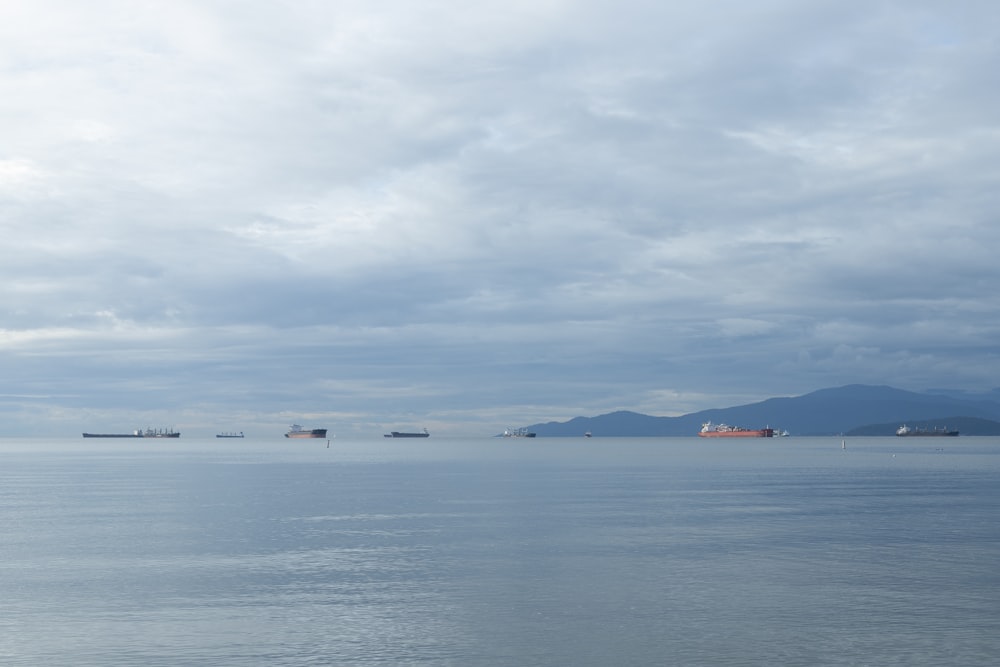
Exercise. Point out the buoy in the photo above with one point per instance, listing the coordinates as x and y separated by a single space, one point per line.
843 444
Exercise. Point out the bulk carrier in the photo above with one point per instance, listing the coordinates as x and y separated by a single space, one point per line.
905 431
138 433
296 431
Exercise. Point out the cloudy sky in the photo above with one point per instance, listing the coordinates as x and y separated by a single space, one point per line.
366 215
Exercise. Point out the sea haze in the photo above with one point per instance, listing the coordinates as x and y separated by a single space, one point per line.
631 551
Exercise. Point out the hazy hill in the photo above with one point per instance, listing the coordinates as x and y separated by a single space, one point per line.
824 412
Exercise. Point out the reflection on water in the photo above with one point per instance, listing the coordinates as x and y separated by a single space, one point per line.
480 552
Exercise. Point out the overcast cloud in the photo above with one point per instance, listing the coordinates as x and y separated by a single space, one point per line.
370 215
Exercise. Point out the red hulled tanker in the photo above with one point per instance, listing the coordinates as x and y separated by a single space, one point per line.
710 430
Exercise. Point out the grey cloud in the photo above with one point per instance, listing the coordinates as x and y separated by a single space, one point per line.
469 213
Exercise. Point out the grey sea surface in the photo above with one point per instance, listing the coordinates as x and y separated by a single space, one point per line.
552 551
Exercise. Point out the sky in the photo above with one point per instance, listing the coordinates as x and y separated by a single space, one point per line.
376 215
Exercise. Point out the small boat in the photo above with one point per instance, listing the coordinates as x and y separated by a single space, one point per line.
229 435
710 430
138 433
905 431
518 433
587 434
404 434
296 431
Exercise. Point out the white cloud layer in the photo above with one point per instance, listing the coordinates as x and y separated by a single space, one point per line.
470 216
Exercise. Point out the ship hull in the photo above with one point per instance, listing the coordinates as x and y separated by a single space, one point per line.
398 434
760 433
519 433
928 434
131 435
314 433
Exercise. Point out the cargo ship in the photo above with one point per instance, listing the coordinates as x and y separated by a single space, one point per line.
229 435
297 431
138 433
905 431
403 434
710 430
518 433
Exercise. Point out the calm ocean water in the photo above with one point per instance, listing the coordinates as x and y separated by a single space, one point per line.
470 552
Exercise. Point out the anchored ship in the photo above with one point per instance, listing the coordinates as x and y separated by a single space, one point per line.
905 431
403 434
229 435
710 430
296 431
138 433
518 433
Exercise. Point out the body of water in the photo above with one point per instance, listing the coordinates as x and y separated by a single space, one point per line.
476 552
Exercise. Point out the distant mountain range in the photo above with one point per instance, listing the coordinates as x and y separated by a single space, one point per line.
851 410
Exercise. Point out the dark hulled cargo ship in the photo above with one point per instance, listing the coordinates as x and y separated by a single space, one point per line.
404 434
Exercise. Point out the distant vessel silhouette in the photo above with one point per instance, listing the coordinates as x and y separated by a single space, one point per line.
296 431
905 431
404 434
518 433
138 433
710 430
